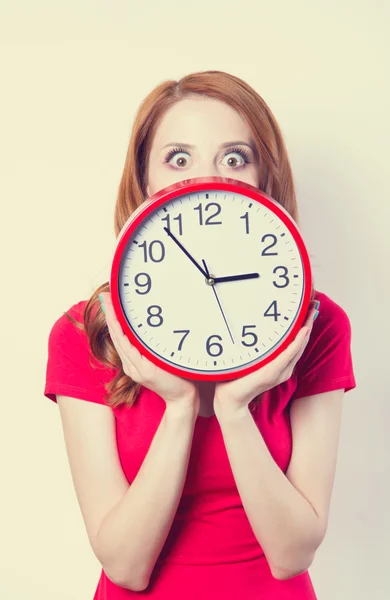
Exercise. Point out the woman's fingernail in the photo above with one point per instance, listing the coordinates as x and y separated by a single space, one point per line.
102 304
317 304
316 315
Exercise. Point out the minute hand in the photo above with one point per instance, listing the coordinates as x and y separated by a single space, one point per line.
236 277
186 252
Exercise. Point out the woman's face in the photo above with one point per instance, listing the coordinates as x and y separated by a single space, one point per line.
201 137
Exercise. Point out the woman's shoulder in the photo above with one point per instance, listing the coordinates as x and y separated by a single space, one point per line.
72 369
76 310
331 312
63 324
327 359
68 332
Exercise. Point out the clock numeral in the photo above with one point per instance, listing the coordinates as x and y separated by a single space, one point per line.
246 218
210 344
274 314
149 251
208 220
167 218
148 283
284 276
250 333
156 315
265 253
186 332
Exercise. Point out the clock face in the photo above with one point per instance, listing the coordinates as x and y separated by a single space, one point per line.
178 279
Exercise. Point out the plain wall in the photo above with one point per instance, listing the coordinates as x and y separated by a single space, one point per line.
73 75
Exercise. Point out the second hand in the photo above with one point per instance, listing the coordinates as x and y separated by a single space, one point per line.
219 304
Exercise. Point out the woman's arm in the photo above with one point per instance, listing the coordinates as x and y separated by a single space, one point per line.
288 512
127 525
132 535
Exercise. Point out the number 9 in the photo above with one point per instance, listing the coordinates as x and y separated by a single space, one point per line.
148 283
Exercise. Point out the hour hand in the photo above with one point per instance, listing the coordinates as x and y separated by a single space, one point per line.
185 251
236 277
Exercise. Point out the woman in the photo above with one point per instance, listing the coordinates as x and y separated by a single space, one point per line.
190 489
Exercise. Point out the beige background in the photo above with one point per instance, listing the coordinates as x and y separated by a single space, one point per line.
73 74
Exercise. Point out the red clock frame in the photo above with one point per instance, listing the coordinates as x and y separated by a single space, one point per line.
202 184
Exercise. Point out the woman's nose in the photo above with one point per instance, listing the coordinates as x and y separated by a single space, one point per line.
208 171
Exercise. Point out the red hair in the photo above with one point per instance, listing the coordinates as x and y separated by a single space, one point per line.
276 181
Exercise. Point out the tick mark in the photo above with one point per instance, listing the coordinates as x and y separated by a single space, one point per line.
140 325
135 242
172 353
286 318
296 276
126 284
256 349
164 209
250 205
215 363
282 234
207 196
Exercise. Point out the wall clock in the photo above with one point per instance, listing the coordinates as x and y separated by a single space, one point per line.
210 278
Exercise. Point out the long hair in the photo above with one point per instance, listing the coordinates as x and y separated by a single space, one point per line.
276 181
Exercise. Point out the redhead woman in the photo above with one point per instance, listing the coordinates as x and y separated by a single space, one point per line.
189 489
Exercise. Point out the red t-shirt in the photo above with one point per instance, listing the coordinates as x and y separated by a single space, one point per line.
211 551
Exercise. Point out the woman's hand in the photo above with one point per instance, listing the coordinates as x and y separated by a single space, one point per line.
235 395
173 389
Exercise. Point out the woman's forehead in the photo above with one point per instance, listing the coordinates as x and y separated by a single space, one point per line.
197 121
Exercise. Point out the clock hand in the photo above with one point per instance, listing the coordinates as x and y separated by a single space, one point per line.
185 251
236 277
219 304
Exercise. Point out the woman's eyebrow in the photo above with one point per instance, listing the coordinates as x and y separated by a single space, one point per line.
224 145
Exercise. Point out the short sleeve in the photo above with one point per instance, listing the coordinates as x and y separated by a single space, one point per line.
326 363
70 369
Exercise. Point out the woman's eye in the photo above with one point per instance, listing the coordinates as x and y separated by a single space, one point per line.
236 159
180 161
